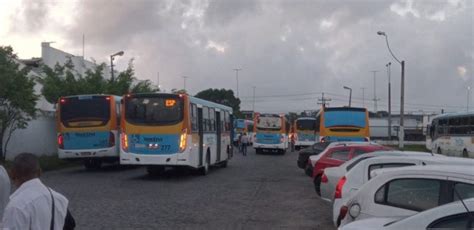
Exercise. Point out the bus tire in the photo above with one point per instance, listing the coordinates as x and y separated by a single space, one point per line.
224 164
204 170
155 170
465 154
92 163
317 185
439 151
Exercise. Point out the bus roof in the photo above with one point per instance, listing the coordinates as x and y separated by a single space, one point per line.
344 109
457 114
90 95
306 118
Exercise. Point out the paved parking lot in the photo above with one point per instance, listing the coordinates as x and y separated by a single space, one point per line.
254 192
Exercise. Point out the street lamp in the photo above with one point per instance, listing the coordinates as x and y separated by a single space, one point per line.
350 94
468 96
237 78
120 53
402 90
389 102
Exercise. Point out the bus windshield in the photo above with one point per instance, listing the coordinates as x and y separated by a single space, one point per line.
269 123
85 111
305 124
154 110
345 118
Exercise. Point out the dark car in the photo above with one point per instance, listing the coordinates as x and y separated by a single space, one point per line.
304 154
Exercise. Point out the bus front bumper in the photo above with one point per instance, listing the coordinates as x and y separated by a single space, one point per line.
88 153
269 146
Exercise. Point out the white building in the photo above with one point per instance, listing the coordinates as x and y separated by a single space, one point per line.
40 135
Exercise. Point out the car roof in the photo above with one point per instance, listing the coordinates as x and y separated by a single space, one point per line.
352 143
447 170
453 160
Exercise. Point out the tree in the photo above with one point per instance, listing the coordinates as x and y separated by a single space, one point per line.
63 80
221 96
17 98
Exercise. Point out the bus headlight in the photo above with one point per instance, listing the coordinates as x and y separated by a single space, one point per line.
124 142
182 140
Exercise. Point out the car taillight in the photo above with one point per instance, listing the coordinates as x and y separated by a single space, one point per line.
342 214
124 139
111 139
61 141
182 140
339 186
324 178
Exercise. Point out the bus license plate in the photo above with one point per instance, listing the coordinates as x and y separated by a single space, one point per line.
86 153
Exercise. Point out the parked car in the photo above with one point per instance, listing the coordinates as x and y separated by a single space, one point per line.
331 176
304 154
402 193
449 216
336 154
350 183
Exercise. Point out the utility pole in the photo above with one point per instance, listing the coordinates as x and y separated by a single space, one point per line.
253 105
237 79
468 96
158 80
184 81
363 96
389 102
324 101
375 90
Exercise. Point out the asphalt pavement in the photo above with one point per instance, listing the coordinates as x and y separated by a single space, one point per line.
253 192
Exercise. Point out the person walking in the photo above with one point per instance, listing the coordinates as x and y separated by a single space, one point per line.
245 143
4 191
239 142
34 206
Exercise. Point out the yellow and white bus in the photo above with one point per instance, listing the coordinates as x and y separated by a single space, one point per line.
343 124
270 133
161 129
88 128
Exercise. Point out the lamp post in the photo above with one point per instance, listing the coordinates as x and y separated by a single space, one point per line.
237 78
184 82
402 91
112 58
389 102
350 94
468 96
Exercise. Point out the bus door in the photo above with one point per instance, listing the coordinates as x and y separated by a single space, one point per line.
218 133
201 136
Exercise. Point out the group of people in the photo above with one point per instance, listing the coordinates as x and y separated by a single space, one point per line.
33 205
242 142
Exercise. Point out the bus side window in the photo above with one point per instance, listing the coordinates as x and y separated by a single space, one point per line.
212 120
194 118
226 121
205 118
117 110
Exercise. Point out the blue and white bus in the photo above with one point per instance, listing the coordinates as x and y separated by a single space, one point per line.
174 130
88 128
242 126
305 133
270 133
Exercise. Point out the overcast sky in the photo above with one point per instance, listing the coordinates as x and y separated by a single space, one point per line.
295 48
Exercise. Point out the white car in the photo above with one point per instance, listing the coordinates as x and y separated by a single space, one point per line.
360 174
332 175
449 216
404 192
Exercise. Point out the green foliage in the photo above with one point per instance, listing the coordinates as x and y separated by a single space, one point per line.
63 80
222 96
17 98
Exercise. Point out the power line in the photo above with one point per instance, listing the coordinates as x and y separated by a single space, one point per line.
324 100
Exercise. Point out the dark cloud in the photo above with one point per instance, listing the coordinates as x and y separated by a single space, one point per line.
289 47
31 18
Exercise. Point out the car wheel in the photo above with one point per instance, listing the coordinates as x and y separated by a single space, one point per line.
308 170
465 154
317 185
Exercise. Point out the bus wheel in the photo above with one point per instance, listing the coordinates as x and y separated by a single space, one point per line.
439 150
464 153
204 170
92 163
224 164
154 170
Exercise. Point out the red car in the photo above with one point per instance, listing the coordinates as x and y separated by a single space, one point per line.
338 153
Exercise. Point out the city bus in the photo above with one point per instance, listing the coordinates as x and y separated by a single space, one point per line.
305 133
270 133
243 126
87 127
343 124
162 130
452 134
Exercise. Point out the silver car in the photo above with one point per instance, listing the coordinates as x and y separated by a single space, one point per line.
449 216
402 193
